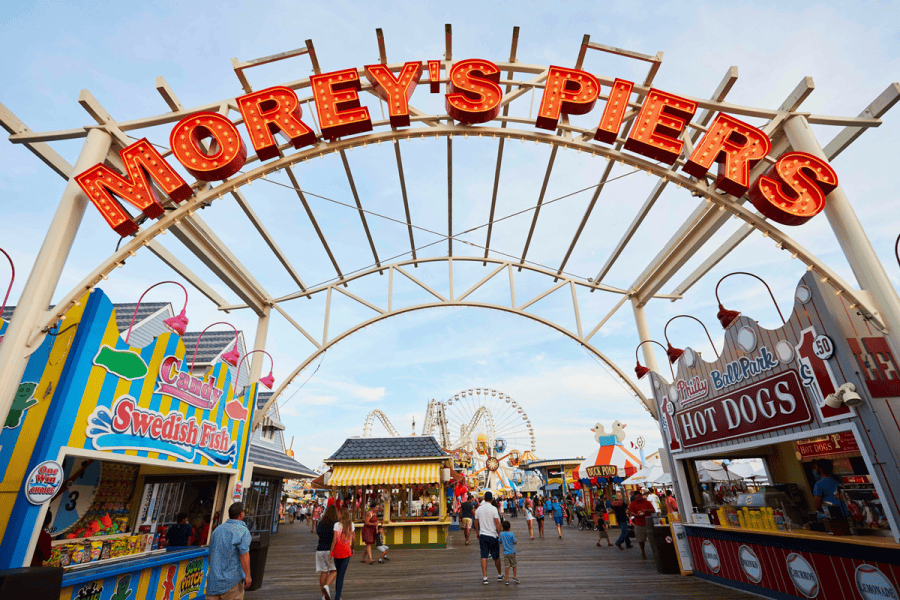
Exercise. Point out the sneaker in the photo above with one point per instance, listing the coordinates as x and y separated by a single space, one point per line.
484 580
516 580
619 546
386 558
507 583
327 595
499 577
380 561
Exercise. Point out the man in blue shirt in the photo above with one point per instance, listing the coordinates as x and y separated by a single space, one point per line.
229 557
825 490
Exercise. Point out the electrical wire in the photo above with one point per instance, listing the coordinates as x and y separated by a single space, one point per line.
321 360
617 379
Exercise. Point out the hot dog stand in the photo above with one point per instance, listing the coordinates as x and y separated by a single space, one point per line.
823 386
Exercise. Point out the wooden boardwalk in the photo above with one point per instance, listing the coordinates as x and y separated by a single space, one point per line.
548 569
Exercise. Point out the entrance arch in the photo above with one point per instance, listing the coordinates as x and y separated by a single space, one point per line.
786 126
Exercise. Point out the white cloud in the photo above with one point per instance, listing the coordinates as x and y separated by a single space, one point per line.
313 400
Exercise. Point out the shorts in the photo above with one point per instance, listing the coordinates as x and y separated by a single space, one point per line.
490 547
235 593
559 520
324 562
509 560
383 548
467 523
640 533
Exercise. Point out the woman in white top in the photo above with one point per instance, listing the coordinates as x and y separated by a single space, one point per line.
529 517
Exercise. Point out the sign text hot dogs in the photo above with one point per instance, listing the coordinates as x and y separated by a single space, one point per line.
774 403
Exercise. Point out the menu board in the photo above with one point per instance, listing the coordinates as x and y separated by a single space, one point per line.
682 548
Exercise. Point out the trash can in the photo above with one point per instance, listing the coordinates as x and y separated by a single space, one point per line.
259 552
34 583
664 552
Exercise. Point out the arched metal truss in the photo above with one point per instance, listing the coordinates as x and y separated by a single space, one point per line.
370 419
108 136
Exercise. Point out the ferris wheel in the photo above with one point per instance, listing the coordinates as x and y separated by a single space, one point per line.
488 420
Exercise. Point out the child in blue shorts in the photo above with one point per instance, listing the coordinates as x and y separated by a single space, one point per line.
508 541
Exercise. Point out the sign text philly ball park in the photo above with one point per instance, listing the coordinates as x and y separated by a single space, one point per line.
792 190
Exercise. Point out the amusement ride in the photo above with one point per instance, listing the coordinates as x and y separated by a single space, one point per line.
488 433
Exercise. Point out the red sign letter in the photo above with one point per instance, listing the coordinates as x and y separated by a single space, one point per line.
568 91
229 152
141 160
793 190
736 146
396 90
340 113
611 121
272 110
655 132
434 74
474 98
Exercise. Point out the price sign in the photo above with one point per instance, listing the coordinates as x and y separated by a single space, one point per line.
823 347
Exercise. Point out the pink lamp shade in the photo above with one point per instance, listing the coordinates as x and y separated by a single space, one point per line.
268 380
232 356
177 324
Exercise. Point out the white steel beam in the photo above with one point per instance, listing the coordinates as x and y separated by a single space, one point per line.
718 95
362 214
449 196
176 265
844 138
312 219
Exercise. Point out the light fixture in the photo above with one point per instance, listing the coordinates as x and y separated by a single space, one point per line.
177 324
640 370
727 317
675 353
231 357
268 380
846 394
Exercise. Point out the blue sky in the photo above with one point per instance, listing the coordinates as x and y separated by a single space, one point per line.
116 51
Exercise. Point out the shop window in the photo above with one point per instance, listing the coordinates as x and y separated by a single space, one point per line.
260 503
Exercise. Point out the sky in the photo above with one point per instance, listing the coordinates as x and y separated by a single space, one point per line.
397 365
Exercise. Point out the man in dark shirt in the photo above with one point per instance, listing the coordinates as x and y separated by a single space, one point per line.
620 510
640 509
466 514
180 534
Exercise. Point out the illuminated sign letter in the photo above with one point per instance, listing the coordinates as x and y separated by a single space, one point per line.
611 121
270 111
655 132
338 104
227 153
434 75
474 95
736 146
793 190
567 91
142 160
396 91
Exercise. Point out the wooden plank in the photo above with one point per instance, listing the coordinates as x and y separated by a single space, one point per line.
572 567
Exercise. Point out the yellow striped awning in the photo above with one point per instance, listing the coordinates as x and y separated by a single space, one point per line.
400 473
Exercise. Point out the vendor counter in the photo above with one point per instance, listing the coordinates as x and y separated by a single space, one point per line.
796 564
411 534
158 575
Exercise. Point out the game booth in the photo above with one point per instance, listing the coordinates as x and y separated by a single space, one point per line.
816 400
605 467
106 444
408 475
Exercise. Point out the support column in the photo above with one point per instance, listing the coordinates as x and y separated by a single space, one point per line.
259 343
44 276
640 319
869 271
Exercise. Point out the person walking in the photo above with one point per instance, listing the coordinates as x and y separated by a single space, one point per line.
487 526
324 563
600 511
640 509
539 515
569 507
620 510
368 532
466 513
556 506
342 549
316 513
229 557
514 507
508 541
529 518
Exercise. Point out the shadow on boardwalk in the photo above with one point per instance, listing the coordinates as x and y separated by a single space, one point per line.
549 568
